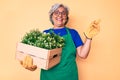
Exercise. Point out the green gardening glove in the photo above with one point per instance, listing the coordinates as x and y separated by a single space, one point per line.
93 29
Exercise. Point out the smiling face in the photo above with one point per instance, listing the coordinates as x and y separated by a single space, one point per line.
59 17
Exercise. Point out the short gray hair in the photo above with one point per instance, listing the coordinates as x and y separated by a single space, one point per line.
55 7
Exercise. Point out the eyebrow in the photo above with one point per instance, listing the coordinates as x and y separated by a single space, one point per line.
59 11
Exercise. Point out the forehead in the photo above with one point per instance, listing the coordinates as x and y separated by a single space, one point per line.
60 9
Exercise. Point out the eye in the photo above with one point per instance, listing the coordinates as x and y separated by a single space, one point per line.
63 13
57 13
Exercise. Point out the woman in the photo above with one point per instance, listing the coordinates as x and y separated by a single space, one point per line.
67 68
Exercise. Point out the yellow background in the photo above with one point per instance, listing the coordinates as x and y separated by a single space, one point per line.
19 16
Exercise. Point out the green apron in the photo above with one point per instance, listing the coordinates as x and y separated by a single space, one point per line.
67 68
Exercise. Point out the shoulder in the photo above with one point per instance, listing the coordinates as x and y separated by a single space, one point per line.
47 30
73 31
76 37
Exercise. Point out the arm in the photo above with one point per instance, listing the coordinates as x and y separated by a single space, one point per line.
92 30
83 51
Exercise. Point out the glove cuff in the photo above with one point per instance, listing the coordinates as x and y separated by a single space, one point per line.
87 36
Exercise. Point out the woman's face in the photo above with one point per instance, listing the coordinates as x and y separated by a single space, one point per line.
59 17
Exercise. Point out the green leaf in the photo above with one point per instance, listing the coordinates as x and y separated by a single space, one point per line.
43 40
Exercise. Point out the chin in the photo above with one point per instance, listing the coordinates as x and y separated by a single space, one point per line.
61 25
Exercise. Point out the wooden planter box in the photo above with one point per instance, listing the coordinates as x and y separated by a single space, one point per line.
43 58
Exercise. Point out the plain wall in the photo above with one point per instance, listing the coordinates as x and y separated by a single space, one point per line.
19 16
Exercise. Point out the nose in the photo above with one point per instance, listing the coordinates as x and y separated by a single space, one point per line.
60 14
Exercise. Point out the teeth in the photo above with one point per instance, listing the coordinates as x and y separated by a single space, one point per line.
59 19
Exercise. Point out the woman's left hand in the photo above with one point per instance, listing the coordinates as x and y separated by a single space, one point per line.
93 29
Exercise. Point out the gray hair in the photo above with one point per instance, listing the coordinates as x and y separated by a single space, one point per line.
55 7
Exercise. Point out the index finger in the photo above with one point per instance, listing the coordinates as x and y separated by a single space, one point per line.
97 21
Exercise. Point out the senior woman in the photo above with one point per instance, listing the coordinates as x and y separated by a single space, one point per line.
67 68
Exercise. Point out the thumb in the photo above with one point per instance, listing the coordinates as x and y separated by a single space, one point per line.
21 62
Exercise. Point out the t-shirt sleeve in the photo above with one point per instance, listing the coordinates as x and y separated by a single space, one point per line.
46 30
76 38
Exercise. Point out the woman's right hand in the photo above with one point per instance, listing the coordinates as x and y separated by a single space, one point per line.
27 63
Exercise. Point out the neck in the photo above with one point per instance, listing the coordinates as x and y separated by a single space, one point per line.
58 27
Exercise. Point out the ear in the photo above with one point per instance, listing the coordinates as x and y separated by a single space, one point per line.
67 20
51 19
